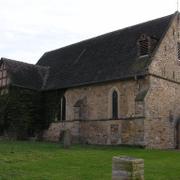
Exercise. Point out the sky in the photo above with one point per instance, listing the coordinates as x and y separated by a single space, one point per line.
29 28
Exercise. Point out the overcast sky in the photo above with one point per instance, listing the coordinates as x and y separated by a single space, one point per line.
28 28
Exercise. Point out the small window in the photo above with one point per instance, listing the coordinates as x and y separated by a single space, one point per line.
143 45
62 109
115 105
178 50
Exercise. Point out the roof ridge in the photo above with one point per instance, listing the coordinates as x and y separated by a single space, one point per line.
109 33
20 62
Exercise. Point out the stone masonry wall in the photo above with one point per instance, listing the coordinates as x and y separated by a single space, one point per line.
110 132
162 112
98 99
113 132
163 98
55 131
97 125
165 63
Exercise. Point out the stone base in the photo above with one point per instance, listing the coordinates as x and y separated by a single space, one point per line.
127 168
102 132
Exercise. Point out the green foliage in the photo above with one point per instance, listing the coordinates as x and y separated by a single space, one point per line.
34 160
25 112
21 113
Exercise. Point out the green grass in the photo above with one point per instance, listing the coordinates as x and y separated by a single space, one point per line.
44 161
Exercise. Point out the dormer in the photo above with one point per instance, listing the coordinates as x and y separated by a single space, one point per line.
146 45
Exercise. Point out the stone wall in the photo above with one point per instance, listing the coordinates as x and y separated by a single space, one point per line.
98 99
165 62
113 132
55 131
96 125
162 102
162 112
109 132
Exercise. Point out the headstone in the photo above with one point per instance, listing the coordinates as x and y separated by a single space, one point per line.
67 138
127 168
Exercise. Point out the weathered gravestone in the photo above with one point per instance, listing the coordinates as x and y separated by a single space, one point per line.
127 168
67 138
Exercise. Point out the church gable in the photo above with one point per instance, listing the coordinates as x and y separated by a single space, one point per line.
165 62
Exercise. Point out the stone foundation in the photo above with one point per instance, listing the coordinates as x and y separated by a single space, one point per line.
55 131
104 132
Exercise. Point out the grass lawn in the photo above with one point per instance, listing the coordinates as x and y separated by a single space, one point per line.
44 161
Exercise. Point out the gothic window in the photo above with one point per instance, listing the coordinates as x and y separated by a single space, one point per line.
62 109
63 105
114 105
178 50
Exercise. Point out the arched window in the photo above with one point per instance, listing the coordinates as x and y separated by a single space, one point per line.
62 114
114 105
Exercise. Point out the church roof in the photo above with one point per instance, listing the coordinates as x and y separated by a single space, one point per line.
25 75
108 57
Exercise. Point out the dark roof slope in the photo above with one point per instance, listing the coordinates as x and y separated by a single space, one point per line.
108 57
25 75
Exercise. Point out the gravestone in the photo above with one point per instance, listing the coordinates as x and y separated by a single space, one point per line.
67 138
127 168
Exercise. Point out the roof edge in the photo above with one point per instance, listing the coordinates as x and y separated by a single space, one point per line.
130 77
160 41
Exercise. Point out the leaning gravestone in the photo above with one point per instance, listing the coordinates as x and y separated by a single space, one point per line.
127 168
67 138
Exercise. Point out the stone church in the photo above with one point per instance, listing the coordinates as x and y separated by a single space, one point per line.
120 88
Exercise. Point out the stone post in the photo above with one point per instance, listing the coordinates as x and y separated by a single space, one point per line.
127 168
67 138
